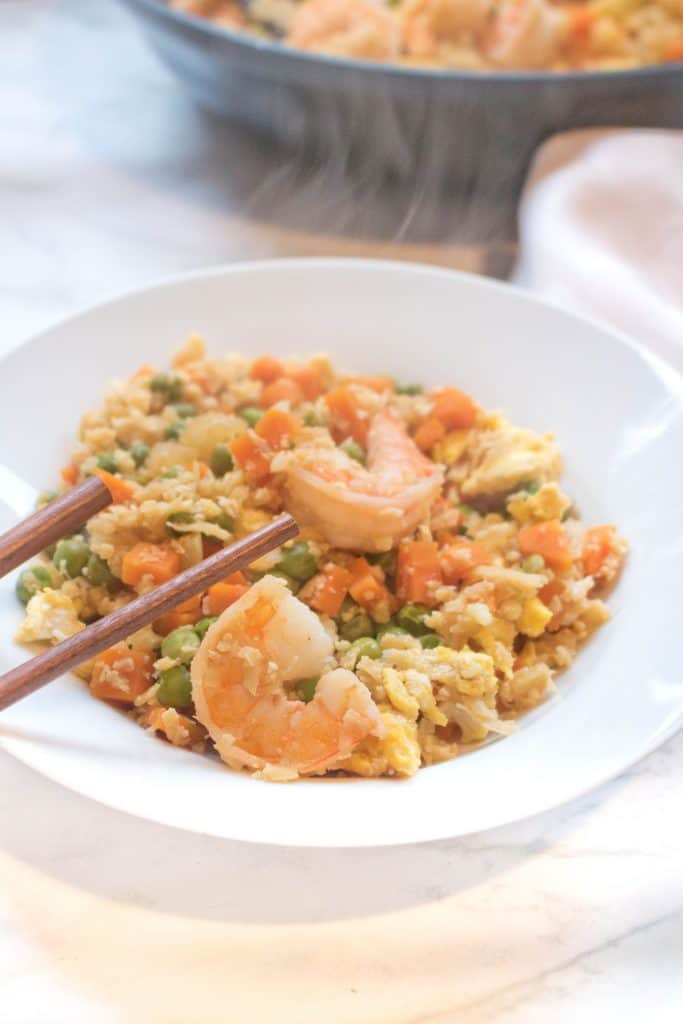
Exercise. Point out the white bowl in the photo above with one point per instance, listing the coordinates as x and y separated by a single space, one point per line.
617 413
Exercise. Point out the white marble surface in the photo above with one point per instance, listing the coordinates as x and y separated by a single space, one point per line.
109 178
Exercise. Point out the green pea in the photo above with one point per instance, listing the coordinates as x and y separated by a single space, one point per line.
107 462
225 521
175 687
177 518
251 415
182 644
98 572
408 389
366 647
71 556
221 460
167 385
429 641
45 498
298 561
291 583
390 627
139 452
412 618
30 581
174 430
356 626
184 410
202 627
530 486
533 563
306 688
354 451
386 560
311 418
171 472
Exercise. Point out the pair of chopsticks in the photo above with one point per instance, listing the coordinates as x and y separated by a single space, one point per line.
62 517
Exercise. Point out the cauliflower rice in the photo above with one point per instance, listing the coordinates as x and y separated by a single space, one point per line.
455 631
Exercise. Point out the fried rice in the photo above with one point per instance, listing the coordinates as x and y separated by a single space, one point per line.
455 630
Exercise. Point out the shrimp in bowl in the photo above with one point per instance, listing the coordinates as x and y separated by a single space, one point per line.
244 680
364 508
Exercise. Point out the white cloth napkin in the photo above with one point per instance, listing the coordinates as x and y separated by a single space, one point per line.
601 231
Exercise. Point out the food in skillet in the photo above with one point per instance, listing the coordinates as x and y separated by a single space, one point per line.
543 35
441 579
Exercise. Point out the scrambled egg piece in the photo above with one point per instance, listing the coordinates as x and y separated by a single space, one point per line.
535 617
548 503
507 457
451 447
395 690
400 745
50 615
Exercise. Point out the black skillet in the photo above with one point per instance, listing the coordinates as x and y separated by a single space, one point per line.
473 133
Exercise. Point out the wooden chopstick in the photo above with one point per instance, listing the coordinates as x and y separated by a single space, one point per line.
31 675
61 517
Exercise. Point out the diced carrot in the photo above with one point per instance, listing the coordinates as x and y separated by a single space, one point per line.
281 390
121 674
69 474
347 417
308 379
674 51
221 595
551 589
158 561
277 428
597 546
429 433
185 614
549 540
454 408
266 369
460 557
236 577
418 571
378 384
179 729
211 546
121 490
250 457
329 588
202 469
366 588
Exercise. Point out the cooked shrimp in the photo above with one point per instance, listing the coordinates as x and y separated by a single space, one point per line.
429 25
263 642
359 508
346 28
525 34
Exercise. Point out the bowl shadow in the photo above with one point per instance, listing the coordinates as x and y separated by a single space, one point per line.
136 862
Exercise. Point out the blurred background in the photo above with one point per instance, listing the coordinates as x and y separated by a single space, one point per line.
127 178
